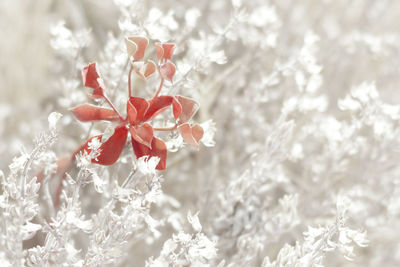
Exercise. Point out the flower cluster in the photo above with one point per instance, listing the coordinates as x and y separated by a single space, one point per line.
140 112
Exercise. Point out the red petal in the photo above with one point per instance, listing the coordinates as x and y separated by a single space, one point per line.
159 149
176 108
157 105
197 132
110 149
159 51
88 112
141 105
149 69
91 78
168 50
142 134
191 135
131 111
144 70
167 70
189 108
141 43
164 50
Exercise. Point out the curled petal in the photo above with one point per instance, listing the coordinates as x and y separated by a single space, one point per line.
189 108
110 149
141 43
131 47
191 135
142 134
91 78
167 70
141 105
158 149
88 112
157 105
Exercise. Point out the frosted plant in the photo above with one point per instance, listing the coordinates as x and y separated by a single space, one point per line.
185 249
19 198
321 240
276 120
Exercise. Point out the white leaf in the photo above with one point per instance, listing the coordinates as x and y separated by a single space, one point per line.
194 221
53 119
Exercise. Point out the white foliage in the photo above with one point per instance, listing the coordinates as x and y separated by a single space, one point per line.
298 164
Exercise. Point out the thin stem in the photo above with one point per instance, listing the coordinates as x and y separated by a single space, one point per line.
166 129
129 82
159 88
112 106
63 175
58 191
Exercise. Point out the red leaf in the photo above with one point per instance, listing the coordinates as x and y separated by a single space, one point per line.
141 105
144 71
157 105
142 134
197 132
189 108
91 78
141 43
159 149
164 50
176 108
88 112
159 51
149 69
110 149
191 135
131 112
167 70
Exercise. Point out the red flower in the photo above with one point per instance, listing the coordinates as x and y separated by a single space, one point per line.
139 110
